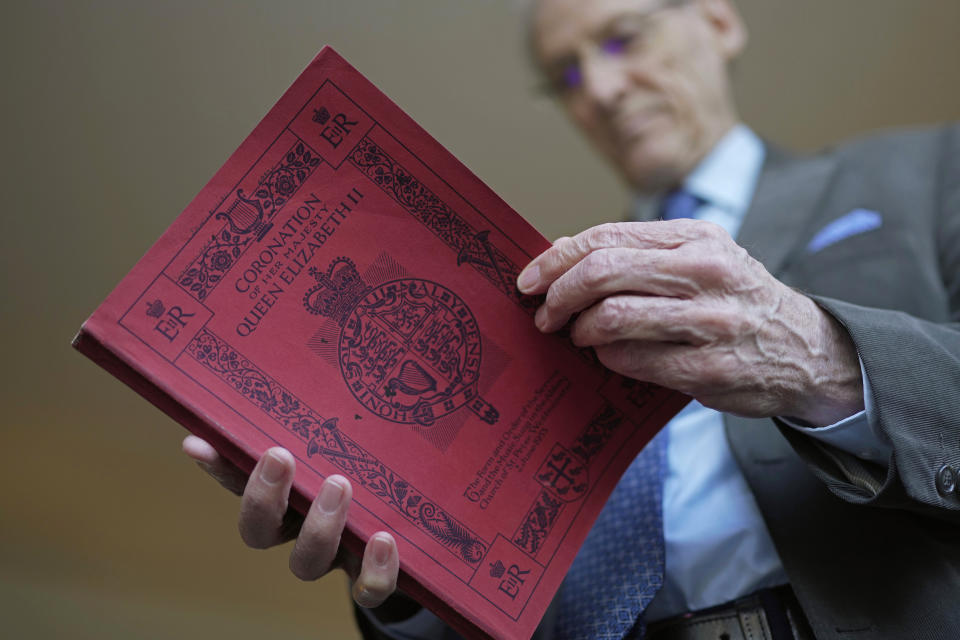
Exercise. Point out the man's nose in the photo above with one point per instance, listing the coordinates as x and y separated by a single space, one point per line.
604 79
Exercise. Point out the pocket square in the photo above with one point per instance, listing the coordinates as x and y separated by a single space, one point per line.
857 221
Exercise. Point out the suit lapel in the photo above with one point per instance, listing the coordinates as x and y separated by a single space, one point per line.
784 206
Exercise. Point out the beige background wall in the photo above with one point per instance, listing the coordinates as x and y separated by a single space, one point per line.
115 113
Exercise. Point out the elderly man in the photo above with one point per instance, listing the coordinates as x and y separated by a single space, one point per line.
834 313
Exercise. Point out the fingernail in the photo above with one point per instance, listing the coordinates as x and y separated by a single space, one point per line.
381 550
362 596
529 278
331 495
273 469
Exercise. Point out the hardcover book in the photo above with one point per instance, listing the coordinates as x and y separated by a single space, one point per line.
345 288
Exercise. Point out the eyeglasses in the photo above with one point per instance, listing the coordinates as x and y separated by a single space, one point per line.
626 35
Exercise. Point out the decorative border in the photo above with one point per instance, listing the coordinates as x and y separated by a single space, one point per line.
639 393
472 246
538 523
322 437
598 432
227 244
546 508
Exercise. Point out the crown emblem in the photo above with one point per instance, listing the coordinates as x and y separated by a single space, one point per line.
337 291
497 570
155 309
321 115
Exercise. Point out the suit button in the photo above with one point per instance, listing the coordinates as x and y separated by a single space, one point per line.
946 480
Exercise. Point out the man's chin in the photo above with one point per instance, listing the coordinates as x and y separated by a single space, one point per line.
650 171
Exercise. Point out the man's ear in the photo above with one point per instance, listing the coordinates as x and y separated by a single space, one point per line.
727 26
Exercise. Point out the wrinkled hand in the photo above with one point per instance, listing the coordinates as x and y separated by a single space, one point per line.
681 305
265 521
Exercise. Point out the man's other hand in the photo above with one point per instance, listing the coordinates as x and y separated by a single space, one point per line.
681 305
266 521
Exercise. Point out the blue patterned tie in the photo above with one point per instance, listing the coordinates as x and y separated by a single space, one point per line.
679 203
619 569
620 566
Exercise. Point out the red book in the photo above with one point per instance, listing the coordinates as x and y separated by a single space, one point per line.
345 288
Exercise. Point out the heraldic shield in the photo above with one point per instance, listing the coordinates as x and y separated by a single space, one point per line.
409 349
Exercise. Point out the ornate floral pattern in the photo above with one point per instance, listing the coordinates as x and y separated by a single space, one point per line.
472 247
601 427
538 523
546 507
322 437
639 393
247 218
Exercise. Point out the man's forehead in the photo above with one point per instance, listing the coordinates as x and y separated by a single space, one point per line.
559 25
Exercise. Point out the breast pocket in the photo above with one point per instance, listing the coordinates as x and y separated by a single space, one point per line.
878 268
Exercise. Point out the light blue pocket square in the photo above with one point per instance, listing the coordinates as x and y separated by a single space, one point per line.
857 221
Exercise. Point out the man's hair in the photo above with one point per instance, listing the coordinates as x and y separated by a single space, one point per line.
528 9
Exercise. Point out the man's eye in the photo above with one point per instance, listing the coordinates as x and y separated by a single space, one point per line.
615 45
571 76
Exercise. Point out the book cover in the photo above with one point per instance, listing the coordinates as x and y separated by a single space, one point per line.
345 288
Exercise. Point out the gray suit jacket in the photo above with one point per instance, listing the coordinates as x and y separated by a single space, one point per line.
871 553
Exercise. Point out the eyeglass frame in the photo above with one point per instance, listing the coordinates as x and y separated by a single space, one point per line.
607 44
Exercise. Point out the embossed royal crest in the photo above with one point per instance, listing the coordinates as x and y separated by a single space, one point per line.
409 349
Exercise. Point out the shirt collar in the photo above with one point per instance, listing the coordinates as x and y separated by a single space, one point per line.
726 178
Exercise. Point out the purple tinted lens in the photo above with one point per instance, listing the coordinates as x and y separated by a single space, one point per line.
572 77
614 46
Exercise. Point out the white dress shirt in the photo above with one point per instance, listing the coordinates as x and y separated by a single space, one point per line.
717 545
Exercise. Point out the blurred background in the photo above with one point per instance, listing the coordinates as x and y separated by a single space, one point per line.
115 113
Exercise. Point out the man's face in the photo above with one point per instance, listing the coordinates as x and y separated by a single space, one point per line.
646 80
